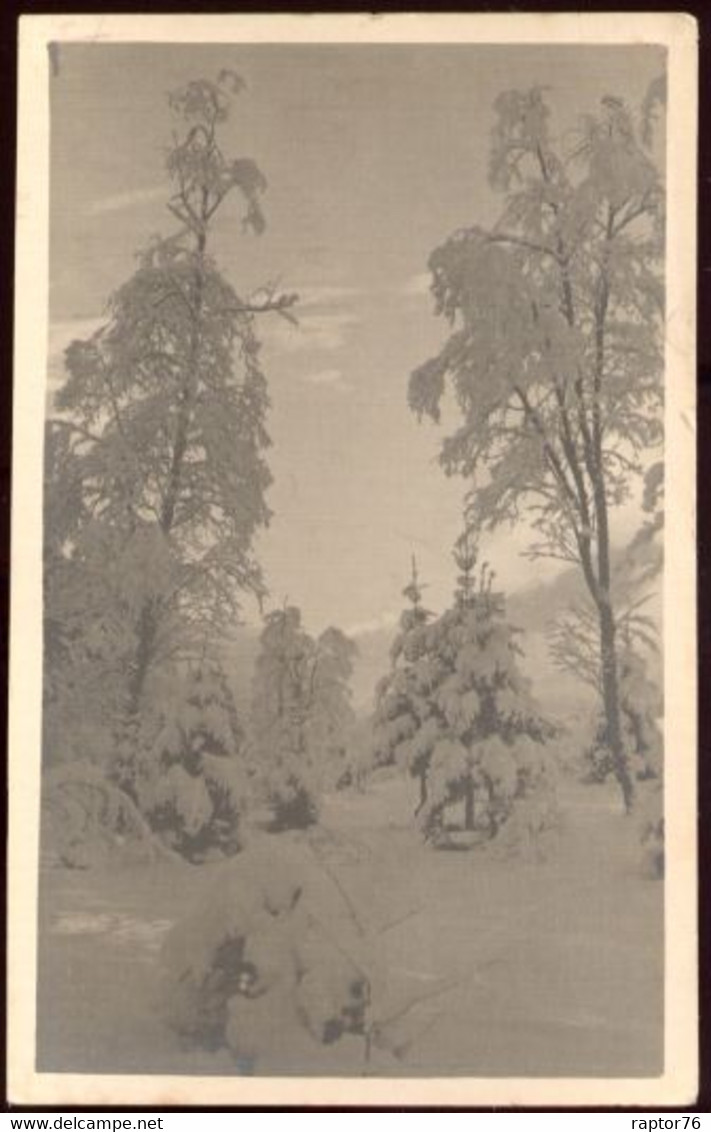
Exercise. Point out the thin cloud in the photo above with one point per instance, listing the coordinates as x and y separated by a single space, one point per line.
378 624
120 201
418 284
318 332
64 331
326 377
324 295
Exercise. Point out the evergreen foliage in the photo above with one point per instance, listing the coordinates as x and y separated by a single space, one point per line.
459 713
403 725
195 787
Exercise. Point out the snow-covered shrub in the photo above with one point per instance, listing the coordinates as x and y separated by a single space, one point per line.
206 958
534 822
293 792
331 994
302 988
641 709
650 819
88 821
253 958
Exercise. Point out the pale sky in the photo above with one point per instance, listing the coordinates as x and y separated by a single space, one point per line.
373 154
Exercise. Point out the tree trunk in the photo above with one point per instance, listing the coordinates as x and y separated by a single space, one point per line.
148 622
147 629
608 652
422 780
603 597
469 805
611 700
189 391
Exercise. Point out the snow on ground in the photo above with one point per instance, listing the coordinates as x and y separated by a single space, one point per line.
520 968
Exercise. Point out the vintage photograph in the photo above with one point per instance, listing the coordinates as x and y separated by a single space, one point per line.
354 598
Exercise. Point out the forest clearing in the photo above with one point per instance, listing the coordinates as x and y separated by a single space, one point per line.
549 968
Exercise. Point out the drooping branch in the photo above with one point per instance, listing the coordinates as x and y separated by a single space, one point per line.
282 305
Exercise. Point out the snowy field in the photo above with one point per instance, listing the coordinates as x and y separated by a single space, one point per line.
547 967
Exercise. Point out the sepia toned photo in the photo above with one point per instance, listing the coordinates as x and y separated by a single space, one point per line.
352 723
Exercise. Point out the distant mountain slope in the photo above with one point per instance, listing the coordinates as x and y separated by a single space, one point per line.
560 694
532 610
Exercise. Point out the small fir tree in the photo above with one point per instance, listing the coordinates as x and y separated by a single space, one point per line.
195 782
404 725
457 711
492 750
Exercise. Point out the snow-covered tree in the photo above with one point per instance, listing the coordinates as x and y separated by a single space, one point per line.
192 782
159 430
356 765
97 578
404 724
301 713
555 354
85 631
456 710
489 751
331 721
283 682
